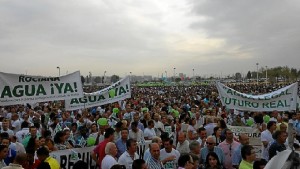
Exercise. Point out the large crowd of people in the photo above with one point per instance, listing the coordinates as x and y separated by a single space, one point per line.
157 128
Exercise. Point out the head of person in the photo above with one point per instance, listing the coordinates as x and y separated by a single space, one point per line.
228 135
186 161
151 124
222 124
157 140
32 131
195 160
94 128
195 147
3 151
156 117
5 124
202 133
283 127
280 136
21 159
168 144
111 149
210 142
139 164
259 164
244 139
248 153
109 134
154 150
134 126
131 146
42 153
59 137
67 133
181 137
24 124
5 139
118 166
271 126
124 134
80 165
212 160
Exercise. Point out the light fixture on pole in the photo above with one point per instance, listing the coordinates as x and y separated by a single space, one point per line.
174 73
58 71
257 73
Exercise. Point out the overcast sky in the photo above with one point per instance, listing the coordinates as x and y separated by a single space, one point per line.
149 37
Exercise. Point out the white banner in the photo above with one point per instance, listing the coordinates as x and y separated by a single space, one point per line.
67 158
253 134
20 89
116 92
284 99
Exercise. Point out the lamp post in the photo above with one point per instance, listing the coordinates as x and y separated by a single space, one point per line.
130 76
257 73
174 73
58 71
104 77
266 75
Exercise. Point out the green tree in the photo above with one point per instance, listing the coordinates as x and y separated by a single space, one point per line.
82 79
115 78
249 75
98 79
238 76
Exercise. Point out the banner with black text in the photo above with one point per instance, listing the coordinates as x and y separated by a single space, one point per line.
116 92
284 99
20 89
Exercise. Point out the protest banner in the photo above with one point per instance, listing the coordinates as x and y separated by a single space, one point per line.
284 99
67 158
20 89
253 134
116 92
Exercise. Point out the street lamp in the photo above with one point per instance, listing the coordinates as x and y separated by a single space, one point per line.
174 73
266 75
104 77
58 70
257 73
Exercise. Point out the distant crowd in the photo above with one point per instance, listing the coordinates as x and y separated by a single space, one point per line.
158 128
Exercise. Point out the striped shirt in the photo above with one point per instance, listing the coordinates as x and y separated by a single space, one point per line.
152 163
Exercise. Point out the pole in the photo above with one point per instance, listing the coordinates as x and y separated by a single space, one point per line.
58 71
266 75
174 74
193 74
257 73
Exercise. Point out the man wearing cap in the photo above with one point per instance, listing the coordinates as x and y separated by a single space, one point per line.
100 148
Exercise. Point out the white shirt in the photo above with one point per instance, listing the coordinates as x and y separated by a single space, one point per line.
158 125
150 133
10 132
184 147
108 161
164 155
125 159
266 136
138 136
17 126
21 135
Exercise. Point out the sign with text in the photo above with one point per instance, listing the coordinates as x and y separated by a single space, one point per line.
284 99
67 158
116 92
20 89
